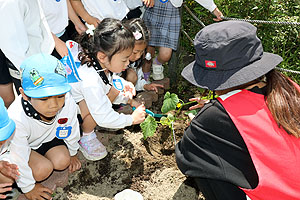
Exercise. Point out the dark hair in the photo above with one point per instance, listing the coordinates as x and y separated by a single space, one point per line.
283 100
137 25
110 37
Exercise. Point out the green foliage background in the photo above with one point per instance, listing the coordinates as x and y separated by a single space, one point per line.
278 39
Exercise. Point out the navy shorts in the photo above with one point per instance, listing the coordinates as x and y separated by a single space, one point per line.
5 77
48 145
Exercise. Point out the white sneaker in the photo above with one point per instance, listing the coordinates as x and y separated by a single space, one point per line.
158 72
91 147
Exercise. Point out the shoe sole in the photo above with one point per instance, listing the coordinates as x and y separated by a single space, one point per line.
92 158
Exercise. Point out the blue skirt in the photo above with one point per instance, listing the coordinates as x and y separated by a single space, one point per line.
163 22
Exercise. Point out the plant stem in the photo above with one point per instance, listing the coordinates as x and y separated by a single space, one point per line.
190 102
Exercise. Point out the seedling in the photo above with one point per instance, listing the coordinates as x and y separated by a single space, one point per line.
171 103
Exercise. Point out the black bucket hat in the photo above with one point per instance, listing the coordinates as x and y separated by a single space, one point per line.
228 54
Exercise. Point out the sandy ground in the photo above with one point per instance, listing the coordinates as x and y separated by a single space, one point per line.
147 167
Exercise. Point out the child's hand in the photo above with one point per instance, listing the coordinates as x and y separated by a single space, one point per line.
200 103
129 90
134 103
218 14
81 28
75 164
4 188
153 86
149 3
139 114
60 47
93 21
39 192
9 170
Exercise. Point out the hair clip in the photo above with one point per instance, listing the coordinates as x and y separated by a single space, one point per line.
137 35
90 29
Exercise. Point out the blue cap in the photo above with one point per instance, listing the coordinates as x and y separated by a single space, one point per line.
43 75
7 126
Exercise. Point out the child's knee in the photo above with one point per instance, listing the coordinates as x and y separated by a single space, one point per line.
42 170
62 161
164 54
165 57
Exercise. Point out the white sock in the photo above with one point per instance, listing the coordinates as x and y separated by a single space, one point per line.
87 134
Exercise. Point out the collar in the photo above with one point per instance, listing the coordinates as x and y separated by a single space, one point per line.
29 110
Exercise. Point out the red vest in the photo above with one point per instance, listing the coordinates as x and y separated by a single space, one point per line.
275 154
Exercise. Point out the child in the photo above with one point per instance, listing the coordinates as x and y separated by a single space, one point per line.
104 52
57 14
28 33
163 21
8 172
135 73
47 129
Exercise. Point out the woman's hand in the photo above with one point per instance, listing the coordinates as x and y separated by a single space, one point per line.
200 103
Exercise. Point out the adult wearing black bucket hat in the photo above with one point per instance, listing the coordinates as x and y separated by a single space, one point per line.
245 142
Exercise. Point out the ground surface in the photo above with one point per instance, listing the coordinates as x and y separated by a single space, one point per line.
148 167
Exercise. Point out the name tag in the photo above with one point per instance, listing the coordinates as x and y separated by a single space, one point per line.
63 132
118 84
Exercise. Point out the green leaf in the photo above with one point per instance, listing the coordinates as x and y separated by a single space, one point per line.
171 117
164 121
148 127
170 102
194 112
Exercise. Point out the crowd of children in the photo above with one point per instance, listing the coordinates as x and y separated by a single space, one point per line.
40 130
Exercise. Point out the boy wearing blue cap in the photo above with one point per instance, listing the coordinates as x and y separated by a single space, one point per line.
47 129
8 172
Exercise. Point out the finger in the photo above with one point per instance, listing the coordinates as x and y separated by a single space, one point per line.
78 166
45 189
5 189
196 106
2 196
69 169
13 166
158 85
194 99
2 185
44 195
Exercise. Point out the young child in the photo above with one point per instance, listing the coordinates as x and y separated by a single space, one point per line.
163 21
57 14
28 34
47 129
135 73
104 52
8 172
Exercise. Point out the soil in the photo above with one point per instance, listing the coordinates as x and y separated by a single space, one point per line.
146 166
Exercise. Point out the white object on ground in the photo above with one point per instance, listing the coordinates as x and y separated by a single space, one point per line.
128 194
